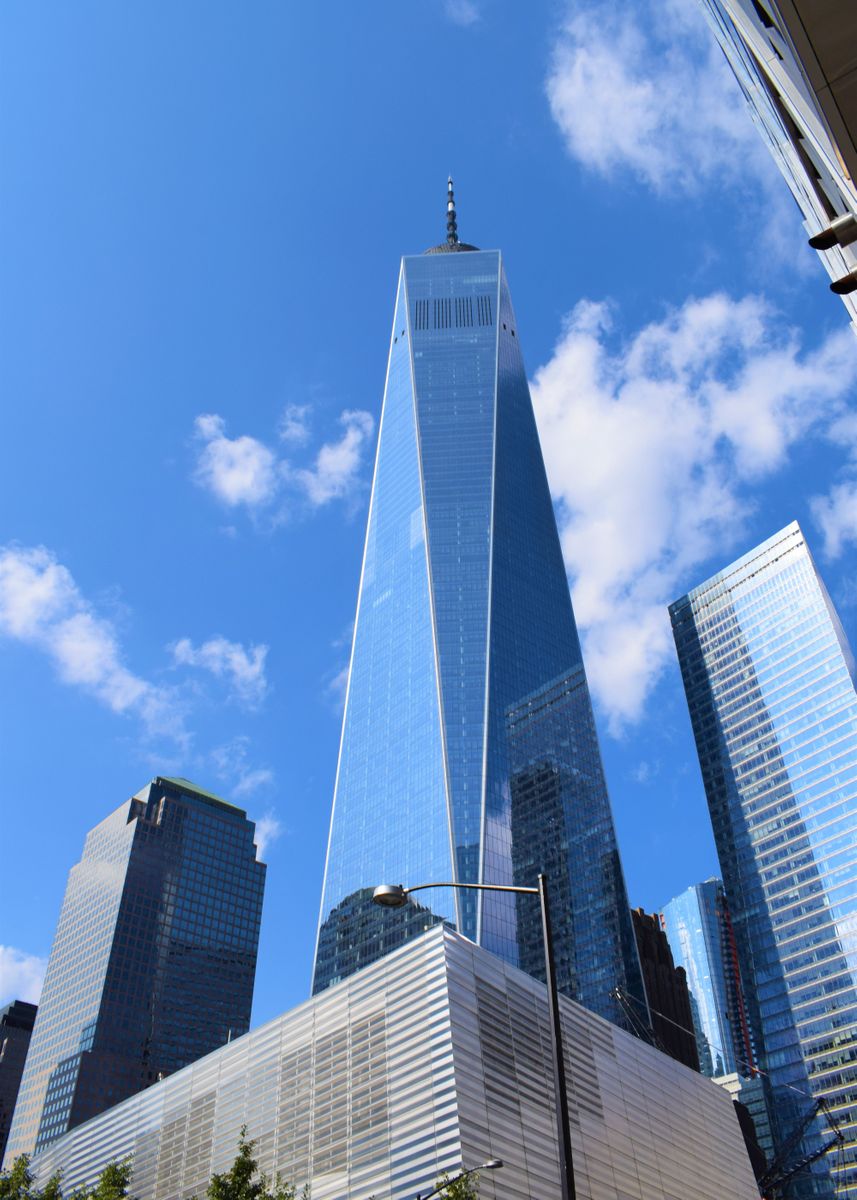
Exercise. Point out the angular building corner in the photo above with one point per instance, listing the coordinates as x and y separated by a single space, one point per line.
770 683
153 960
469 750
794 61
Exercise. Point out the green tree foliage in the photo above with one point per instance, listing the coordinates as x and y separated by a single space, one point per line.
17 1183
112 1183
244 1180
458 1187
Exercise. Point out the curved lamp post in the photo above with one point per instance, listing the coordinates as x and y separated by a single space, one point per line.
491 1165
395 895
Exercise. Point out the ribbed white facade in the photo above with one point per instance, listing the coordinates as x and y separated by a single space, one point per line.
433 1058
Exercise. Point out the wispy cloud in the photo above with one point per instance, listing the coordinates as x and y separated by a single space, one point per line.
294 425
462 12
232 763
243 668
646 771
268 829
335 689
654 447
245 471
335 472
41 604
336 680
640 90
21 975
836 512
836 516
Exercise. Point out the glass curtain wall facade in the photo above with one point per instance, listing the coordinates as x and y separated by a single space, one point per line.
468 749
699 931
153 960
770 683
16 1027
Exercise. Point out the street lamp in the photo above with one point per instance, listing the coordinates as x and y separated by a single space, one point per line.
491 1165
395 895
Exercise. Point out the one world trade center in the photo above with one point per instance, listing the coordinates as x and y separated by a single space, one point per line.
469 750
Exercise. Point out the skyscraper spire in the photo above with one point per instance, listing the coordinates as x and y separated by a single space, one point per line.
452 244
451 222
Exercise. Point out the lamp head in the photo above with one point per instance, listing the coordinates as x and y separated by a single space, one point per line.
390 895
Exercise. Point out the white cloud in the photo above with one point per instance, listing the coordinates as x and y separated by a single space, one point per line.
646 771
462 12
836 516
244 668
836 513
336 688
245 471
21 975
336 473
238 470
653 448
252 780
294 425
231 763
41 604
647 91
268 829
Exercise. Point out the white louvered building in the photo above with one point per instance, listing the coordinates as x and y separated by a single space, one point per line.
434 1058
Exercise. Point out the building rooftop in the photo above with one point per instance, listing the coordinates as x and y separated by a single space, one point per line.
191 789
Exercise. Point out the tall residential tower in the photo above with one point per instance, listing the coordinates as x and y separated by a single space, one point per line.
153 959
770 682
468 749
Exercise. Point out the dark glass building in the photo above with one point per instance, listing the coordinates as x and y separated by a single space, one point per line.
770 683
469 749
666 988
16 1026
153 959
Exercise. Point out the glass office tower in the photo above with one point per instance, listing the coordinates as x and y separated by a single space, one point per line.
16 1028
699 931
468 748
153 959
770 682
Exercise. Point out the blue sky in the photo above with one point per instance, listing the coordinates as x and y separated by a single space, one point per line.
203 209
